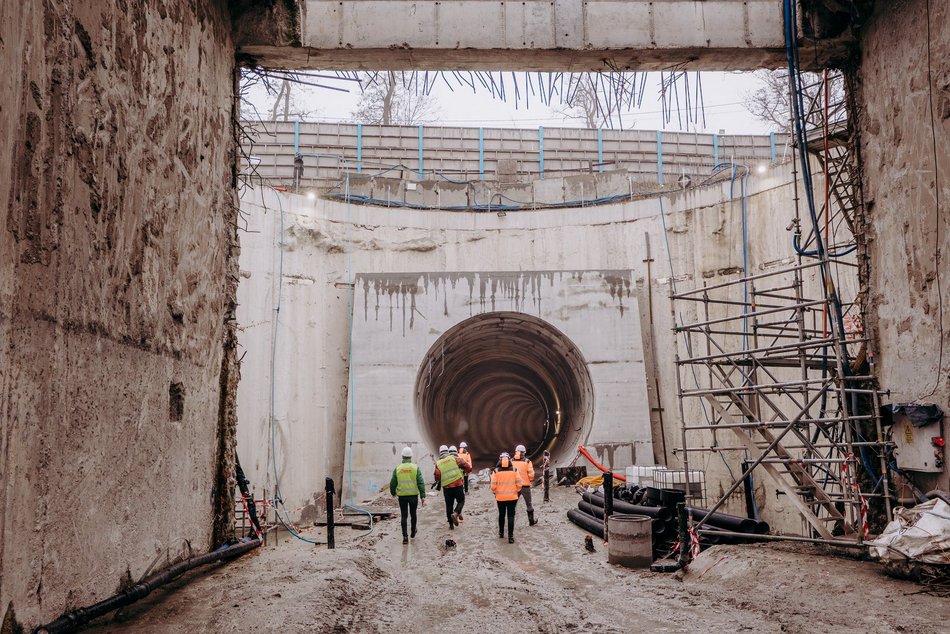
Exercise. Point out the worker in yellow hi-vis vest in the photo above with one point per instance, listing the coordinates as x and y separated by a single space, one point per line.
408 485
450 474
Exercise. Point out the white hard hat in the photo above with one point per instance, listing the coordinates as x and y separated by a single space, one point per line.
463 445
443 449
453 449
521 448
407 452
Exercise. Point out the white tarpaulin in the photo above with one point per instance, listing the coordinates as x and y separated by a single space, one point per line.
921 533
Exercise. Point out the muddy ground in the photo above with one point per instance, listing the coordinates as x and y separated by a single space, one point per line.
544 582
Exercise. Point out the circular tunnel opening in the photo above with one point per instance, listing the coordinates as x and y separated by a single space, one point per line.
503 379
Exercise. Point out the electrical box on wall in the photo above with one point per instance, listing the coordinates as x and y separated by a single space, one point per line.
917 433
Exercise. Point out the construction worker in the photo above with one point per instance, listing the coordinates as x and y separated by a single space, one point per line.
526 470
450 473
506 484
408 485
467 457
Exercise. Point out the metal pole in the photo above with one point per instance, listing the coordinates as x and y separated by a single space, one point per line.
546 470
608 501
787 538
683 525
330 491
656 368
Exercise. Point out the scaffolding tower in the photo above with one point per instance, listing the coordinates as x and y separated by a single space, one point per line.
776 364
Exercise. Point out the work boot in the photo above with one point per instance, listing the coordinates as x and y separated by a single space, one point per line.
455 519
511 540
405 540
501 534
413 534
451 526
531 520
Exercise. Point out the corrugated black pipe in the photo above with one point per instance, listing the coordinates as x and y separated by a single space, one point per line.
660 527
590 509
729 522
588 523
71 621
656 512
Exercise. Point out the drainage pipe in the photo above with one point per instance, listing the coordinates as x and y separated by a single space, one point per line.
588 523
619 506
661 528
590 509
72 620
729 522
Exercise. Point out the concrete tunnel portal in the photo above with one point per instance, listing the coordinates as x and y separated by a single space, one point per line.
500 379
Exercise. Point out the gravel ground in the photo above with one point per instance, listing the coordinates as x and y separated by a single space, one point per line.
544 582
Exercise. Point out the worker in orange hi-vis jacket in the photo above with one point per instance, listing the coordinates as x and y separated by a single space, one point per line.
526 471
506 484
467 457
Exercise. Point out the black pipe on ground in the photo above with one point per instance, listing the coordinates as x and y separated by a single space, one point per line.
247 497
592 510
728 522
588 523
656 512
77 618
661 528
721 536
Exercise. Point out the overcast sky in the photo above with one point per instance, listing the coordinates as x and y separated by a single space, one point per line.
723 96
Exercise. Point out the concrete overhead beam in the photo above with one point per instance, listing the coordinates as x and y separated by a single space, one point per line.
544 35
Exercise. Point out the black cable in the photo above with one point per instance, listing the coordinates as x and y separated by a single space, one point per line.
933 134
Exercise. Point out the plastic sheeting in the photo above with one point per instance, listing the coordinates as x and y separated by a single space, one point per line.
920 415
920 534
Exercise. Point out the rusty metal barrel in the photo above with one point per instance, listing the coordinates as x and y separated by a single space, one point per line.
630 543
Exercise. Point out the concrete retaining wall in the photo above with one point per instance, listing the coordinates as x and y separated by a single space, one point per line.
117 242
328 244
504 154
906 150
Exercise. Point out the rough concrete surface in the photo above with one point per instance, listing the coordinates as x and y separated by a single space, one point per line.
117 242
906 150
544 582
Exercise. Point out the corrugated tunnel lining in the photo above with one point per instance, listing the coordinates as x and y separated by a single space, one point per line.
498 380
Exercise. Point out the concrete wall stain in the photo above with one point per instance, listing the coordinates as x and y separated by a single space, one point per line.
523 291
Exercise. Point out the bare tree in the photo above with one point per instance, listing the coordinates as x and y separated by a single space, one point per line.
598 103
770 103
285 106
585 107
388 100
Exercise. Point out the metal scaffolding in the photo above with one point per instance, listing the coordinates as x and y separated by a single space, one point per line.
776 364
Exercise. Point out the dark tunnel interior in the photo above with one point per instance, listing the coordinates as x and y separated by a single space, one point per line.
502 379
